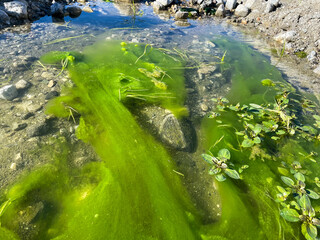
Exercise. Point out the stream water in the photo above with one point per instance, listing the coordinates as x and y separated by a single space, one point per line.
105 161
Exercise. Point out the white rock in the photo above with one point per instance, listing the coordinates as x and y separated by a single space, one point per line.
21 84
221 12
241 11
16 9
317 70
8 92
164 3
13 166
285 37
231 4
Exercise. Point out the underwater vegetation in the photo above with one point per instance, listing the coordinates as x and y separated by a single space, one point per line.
262 142
133 192
272 145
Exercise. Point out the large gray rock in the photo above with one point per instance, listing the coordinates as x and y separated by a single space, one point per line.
161 123
74 11
269 8
4 18
285 37
231 4
16 9
8 92
57 10
206 3
221 12
241 11
250 3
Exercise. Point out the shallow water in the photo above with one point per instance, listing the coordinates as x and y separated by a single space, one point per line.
138 188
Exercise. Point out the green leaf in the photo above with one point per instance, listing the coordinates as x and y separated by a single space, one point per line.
232 173
255 106
305 203
257 140
280 132
290 215
287 181
224 153
267 83
299 176
208 158
312 194
220 177
247 143
316 222
214 171
275 138
310 230
283 171
316 117
281 189
257 129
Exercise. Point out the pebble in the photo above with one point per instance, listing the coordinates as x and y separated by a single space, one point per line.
8 92
317 70
51 83
19 126
21 84
204 107
87 9
13 166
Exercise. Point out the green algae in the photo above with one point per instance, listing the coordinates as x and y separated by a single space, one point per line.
133 193
249 205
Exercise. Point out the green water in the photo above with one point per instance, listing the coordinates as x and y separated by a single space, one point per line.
133 192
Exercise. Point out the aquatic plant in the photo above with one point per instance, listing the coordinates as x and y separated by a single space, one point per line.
220 166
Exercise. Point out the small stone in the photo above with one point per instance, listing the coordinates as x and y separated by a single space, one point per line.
13 166
27 115
22 84
74 11
317 70
181 15
241 11
269 8
204 107
51 95
19 126
231 4
221 12
285 37
39 129
275 3
87 9
8 92
51 83
312 57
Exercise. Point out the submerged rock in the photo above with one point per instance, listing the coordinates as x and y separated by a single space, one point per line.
16 9
162 123
8 92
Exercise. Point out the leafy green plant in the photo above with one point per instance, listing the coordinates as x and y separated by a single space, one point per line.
220 166
271 121
299 208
